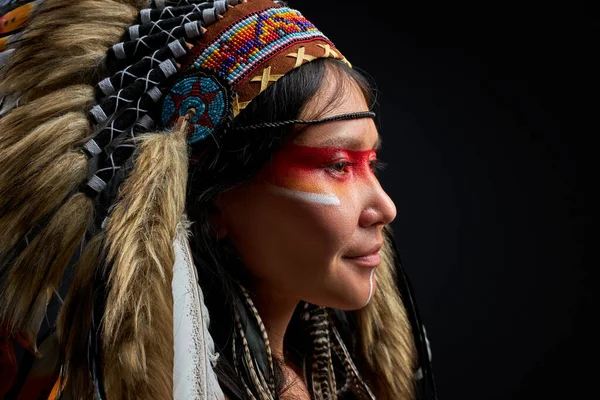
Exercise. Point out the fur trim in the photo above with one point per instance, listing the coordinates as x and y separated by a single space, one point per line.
386 336
137 330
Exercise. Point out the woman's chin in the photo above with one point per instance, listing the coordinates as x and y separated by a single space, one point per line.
353 295
356 302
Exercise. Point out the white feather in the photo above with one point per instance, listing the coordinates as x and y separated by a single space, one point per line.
8 102
193 374
4 56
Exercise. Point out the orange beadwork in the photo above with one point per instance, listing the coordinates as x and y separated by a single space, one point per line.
248 42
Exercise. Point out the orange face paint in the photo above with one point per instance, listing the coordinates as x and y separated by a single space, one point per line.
318 174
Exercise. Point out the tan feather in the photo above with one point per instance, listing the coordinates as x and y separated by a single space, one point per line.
137 332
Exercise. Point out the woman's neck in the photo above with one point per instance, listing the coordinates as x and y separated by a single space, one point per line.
275 310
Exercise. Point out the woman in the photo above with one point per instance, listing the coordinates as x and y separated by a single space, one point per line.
265 138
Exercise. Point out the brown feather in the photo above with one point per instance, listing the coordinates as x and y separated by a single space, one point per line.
137 332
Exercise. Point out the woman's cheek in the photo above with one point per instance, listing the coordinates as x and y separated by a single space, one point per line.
312 186
329 206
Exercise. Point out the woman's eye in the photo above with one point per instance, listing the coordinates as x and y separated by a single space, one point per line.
341 166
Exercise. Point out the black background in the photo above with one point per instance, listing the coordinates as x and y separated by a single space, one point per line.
482 116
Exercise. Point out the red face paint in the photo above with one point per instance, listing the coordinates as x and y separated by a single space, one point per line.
319 170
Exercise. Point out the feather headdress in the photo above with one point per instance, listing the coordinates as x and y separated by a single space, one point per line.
102 103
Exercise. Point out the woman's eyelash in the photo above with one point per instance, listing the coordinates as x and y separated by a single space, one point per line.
377 166
343 164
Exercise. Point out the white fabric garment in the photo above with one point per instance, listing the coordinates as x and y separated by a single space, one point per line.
193 374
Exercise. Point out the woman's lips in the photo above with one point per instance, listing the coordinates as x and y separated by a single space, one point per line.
368 261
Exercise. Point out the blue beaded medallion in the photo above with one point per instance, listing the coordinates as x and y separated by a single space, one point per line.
207 94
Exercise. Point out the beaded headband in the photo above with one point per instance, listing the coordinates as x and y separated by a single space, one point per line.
228 67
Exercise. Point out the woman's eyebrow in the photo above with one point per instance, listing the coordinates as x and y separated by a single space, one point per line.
352 143
378 143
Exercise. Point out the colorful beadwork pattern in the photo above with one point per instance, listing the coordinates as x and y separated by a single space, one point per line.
207 95
248 42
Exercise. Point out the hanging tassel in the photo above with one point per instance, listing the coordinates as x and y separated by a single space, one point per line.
137 338
35 198
28 338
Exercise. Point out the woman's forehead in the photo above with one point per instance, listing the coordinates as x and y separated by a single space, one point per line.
338 94
357 134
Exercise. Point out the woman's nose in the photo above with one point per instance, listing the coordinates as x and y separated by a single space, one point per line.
379 208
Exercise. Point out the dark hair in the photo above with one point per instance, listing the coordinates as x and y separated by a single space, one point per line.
233 159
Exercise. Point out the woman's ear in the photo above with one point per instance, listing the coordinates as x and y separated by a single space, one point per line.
217 218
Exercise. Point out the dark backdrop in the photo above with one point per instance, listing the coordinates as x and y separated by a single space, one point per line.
488 159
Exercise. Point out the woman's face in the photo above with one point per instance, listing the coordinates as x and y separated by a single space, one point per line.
303 224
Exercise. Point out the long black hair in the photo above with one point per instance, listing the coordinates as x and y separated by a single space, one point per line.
232 160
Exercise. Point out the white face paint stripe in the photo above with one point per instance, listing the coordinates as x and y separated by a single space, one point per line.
371 286
326 199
